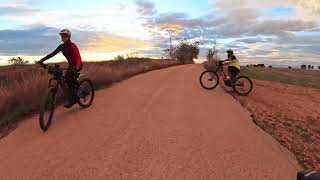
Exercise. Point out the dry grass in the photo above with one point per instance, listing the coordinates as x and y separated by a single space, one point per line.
22 87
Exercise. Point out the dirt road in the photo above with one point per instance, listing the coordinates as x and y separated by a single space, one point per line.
159 125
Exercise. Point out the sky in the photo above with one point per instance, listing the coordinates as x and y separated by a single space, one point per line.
276 32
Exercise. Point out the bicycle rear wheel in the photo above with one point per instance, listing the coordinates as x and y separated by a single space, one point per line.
209 80
85 93
243 86
47 109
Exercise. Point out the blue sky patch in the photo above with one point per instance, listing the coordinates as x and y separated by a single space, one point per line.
279 11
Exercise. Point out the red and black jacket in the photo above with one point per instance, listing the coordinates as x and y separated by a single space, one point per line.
70 51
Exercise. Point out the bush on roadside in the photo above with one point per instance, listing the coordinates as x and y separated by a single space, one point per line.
17 60
186 51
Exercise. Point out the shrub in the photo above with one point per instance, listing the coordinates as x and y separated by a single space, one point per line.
186 51
17 60
119 58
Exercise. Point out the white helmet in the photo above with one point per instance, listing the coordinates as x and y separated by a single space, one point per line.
66 31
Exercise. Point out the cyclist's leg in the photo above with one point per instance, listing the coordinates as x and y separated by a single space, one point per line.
71 80
226 73
308 175
233 71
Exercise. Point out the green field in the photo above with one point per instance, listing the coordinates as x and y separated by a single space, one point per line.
307 78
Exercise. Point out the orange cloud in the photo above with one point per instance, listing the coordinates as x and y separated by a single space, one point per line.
116 44
175 27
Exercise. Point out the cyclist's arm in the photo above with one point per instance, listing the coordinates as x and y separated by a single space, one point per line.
226 62
55 52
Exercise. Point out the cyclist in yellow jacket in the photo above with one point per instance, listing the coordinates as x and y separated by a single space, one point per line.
232 66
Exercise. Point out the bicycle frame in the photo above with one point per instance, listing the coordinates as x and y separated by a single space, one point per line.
58 80
220 71
56 85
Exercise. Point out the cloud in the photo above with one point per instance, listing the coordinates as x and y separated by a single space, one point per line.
280 27
28 42
230 19
254 34
145 7
251 40
304 9
172 21
40 40
115 44
17 10
312 5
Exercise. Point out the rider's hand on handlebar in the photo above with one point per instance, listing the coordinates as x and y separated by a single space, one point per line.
39 62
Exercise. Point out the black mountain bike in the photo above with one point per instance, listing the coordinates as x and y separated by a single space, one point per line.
84 89
209 80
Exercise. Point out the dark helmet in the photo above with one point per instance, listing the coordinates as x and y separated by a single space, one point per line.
229 51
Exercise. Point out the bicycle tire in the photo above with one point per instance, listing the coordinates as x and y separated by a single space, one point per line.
213 74
246 93
89 82
48 104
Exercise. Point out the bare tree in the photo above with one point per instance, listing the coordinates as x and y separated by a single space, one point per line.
17 60
213 52
169 52
170 47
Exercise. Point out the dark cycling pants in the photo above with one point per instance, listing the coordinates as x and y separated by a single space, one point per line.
71 76
233 71
308 175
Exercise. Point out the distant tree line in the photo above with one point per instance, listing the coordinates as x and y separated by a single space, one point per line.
304 66
257 65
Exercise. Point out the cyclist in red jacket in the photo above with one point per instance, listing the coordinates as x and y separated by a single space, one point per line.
72 54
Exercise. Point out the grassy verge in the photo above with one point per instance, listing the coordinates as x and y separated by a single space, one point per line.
294 77
22 87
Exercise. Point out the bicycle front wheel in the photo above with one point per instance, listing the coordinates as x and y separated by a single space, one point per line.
209 80
47 109
243 86
85 93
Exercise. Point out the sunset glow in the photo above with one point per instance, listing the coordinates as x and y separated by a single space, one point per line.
265 31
